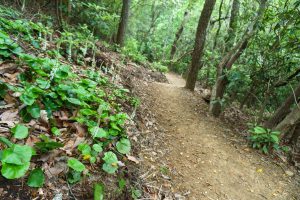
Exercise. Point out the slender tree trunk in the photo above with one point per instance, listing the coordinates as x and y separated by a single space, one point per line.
219 25
248 95
296 134
123 22
199 44
222 81
284 109
229 59
178 35
59 20
232 24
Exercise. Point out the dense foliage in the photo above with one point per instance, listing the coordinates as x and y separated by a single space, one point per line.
250 48
48 87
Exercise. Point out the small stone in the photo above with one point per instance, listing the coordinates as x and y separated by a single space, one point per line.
289 173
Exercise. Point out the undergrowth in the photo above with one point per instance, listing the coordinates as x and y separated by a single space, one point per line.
47 88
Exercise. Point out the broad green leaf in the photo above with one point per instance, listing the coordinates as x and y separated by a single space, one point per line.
36 178
135 193
17 154
26 99
73 176
55 131
265 149
259 130
110 157
97 148
6 141
115 126
85 149
276 133
34 110
48 146
122 184
124 146
42 83
110 168
275 138
20 131
11 171
93 159
87 112
26 116
98 191
98 132
76 164
74 101
111 162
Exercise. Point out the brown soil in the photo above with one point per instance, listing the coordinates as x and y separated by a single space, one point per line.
206 159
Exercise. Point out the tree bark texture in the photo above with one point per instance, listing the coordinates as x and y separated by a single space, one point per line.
232 24
291 120
219 25
199 44
229 59
178 35
123 22
284 109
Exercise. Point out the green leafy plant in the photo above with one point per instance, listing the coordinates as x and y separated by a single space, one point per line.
47 144
123 146
8 47
135 193
76 165
264 139
98 191
90 153
16 161
36 178
111 162
76 169
20 131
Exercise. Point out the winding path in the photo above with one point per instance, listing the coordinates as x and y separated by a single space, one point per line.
207 160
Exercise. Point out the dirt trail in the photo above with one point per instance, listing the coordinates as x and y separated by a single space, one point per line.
205 159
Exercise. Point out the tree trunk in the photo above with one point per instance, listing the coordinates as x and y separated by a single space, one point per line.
178 35
232 24
219 25
219 88
296 134
284 109
229 59
248 95
123 22
199 44
289 122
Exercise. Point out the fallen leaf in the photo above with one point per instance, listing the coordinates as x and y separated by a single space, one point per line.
9 115
80 130
58 168
31 140
78 141
69 146
133 159
259 170
289 173
44 116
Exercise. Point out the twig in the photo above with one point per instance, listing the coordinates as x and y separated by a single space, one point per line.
70 189
295 96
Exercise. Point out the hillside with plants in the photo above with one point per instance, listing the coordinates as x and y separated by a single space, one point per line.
135 99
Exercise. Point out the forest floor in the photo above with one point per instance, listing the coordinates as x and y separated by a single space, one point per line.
205 158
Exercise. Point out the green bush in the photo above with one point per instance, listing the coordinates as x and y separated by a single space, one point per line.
131 50
159 67
265 139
